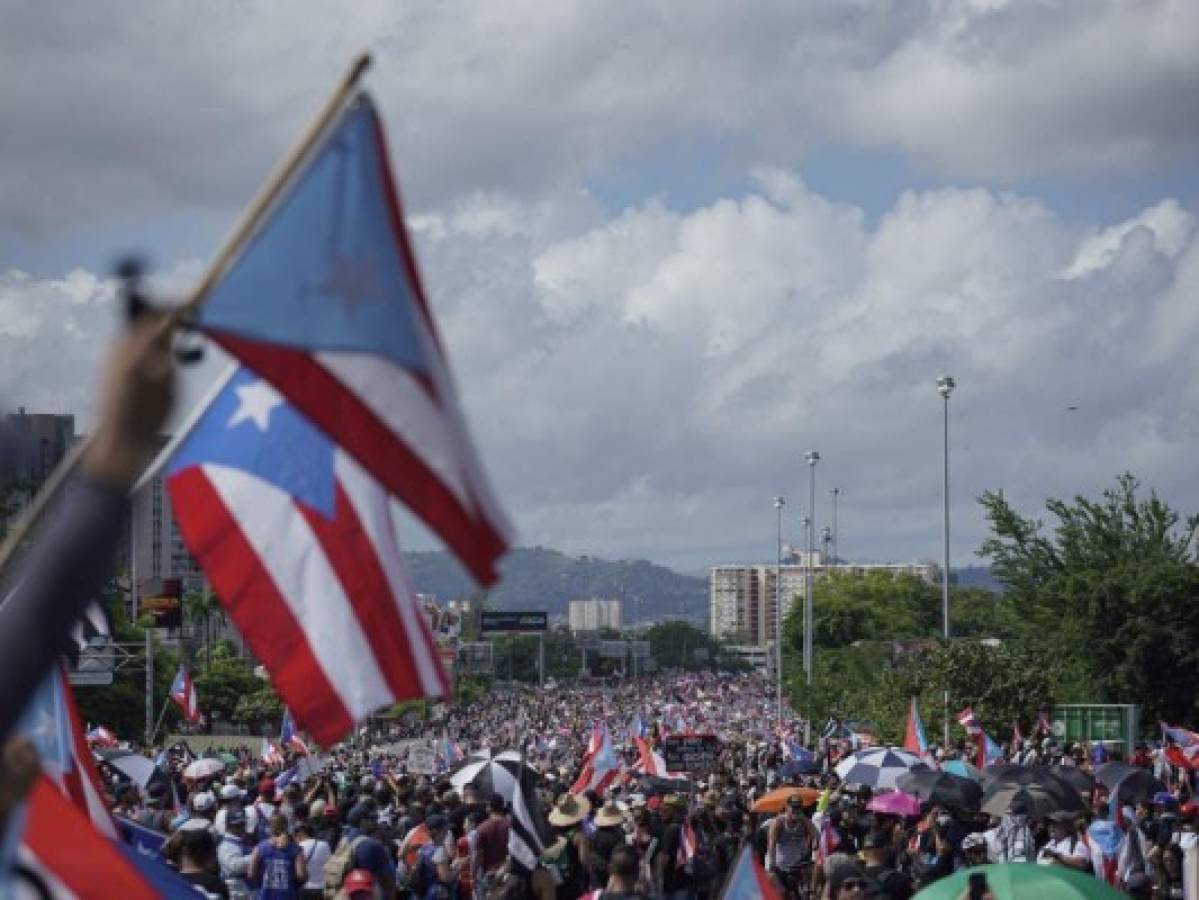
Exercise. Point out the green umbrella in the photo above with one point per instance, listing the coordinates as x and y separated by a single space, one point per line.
228 759
1017 881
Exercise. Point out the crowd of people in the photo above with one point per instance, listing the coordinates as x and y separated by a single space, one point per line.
360 825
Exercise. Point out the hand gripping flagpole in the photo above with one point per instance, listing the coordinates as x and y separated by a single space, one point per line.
180 315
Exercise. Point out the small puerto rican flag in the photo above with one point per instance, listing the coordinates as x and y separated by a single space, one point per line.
183 692
270 754
289 737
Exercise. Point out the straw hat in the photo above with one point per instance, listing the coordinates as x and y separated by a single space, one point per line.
611 813
569 811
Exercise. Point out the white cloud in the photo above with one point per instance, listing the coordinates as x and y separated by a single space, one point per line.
644 384
160 108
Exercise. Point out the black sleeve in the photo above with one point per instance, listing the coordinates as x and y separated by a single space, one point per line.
66 569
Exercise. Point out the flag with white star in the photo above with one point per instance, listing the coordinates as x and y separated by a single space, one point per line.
299 544
325 303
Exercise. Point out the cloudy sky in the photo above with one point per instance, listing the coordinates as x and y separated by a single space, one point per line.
674 245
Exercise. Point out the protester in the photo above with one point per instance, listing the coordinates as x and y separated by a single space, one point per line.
277 865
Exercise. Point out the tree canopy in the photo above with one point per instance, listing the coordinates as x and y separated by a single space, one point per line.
1116 581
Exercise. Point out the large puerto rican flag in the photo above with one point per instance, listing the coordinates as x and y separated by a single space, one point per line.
299 543
62 842
324 301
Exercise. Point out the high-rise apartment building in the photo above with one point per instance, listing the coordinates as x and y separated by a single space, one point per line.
595 614
741 598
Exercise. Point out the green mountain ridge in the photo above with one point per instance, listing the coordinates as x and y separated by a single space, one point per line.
539 578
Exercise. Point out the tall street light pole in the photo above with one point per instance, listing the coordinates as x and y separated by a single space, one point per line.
811 458
945 386
835 493
778 607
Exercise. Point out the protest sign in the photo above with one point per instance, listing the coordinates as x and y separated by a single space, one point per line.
695 754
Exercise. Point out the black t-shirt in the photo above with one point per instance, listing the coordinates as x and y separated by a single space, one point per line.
895 885
213 885
673 876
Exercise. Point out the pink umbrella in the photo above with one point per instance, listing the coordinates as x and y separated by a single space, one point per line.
895 803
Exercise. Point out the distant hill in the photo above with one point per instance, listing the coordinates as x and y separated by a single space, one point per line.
537 578
979 577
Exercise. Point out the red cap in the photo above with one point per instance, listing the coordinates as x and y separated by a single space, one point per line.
266 787
330 812
359 880
653 803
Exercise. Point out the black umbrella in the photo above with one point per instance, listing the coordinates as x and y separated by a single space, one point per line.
799 767
942 788
1041 776
1036 801
1081 781
1129 783
653 784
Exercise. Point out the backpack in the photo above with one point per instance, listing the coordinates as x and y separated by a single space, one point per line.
339 865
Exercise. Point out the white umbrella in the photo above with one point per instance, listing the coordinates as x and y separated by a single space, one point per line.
135 766
878 767
204 768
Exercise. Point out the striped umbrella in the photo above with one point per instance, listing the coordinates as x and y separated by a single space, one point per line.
878 767
498 775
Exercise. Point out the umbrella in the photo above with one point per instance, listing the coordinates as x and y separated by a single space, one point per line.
774 801
1078 779
492 776
1129 783
799 767
1040 776
652 785
134 766
878 767
227 758
204 768
942 789
1017 881
895 803
1038 801
962 769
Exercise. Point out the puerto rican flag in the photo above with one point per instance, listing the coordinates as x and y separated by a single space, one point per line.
270 754
324 301
101 737
748 880
600 765
289 737
1186 753
183 692
62 842
300 544
914 740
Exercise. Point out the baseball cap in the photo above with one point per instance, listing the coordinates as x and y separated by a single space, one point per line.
203 801
231 792
359 880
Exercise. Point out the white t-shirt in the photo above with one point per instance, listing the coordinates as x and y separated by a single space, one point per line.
1072 848
316 854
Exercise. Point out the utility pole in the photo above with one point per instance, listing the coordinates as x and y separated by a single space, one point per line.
836 494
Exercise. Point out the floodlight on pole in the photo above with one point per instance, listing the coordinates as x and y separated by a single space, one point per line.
778 606
945 386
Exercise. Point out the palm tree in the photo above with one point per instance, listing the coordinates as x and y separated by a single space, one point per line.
200 607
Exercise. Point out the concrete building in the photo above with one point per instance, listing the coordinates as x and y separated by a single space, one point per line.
741 598
31 447
594 614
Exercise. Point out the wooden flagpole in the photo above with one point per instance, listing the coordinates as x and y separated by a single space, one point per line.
245 226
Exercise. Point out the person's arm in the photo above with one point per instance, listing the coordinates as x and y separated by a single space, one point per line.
771 840
70 563
252 868
301 866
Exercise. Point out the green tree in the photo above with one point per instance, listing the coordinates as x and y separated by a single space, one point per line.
227 680
201 608
673 645
1115 580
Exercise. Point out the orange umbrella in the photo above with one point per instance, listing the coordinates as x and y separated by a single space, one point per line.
777 799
